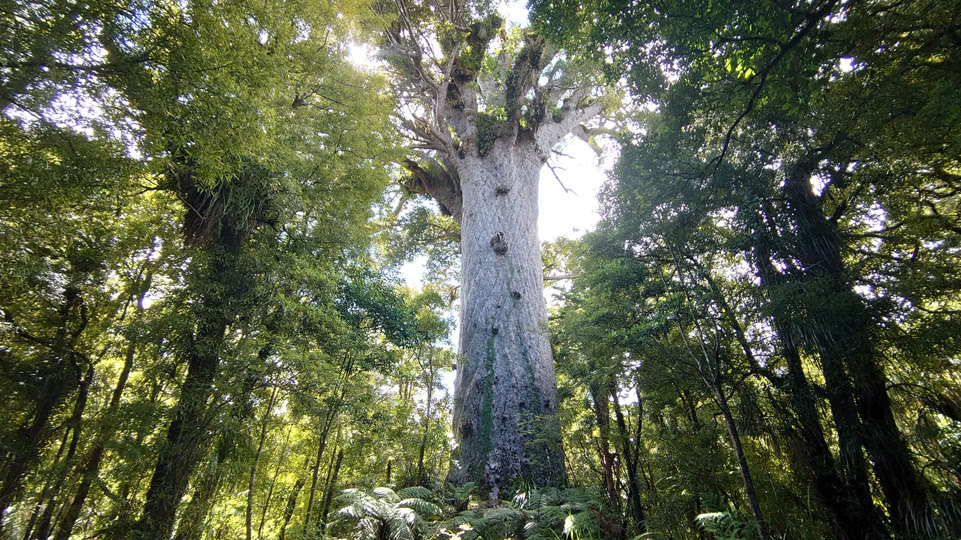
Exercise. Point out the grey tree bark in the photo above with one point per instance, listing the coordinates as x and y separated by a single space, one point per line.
505 402
480 139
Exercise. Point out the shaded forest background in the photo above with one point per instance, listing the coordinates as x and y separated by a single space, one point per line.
204 335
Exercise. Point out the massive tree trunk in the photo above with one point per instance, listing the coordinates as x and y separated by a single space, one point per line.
505 404
483 139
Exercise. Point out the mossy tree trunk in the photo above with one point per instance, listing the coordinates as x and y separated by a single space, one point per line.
505 402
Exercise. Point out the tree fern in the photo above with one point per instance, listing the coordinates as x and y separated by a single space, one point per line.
385 514
569 513
545 514
723 525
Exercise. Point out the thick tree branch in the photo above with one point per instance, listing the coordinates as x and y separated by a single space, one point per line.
522 78
440 103
551 133
435 181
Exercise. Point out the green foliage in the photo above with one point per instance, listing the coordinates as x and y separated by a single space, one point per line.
766 199
200 180
366 302
462 494
403 515
491 125
723 525
474 52
423 231
188 188
537 514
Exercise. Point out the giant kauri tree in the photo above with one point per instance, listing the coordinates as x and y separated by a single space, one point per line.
484 107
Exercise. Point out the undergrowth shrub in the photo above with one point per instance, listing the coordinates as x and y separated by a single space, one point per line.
537 514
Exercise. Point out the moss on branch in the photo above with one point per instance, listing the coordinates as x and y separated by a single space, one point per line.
490 126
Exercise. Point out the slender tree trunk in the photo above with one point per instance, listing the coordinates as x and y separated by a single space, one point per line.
253 468
206 486
315 474
291 506
633 491
123 511
600 397
845 340
746 477
505 405
273 483
709 367
639 467
63 376
421 472
330 467
92 467
841 497
76 420
265 507
31 439
845 498
47 488
329 497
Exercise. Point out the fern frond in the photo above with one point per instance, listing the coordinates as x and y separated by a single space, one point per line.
349 496
400 526
386 494
584 524
353 511
467 516
425 509
415 492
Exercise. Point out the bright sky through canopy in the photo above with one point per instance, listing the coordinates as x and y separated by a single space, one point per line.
563 213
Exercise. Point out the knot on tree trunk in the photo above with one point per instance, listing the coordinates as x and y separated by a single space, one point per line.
498 243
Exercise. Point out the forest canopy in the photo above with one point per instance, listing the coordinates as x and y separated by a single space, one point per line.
206 209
